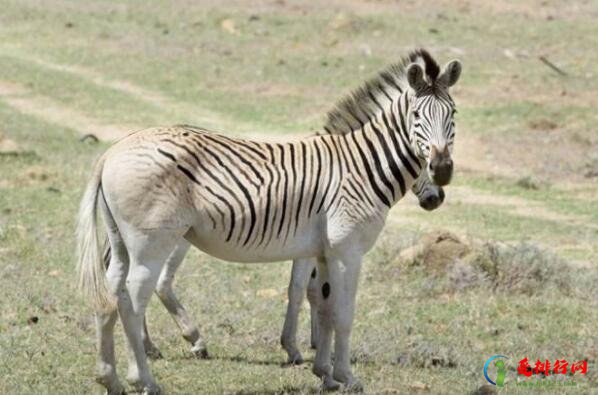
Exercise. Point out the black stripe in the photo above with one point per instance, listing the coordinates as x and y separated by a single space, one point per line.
217 180
330 178
243 144
403 133
303 177
294 182
270 148
268 202
243 190
378 164
167 154
397 147
241 158
356 207
350 151
230 208
332 199
396 172
395 142
342 161
319 167
370 174
286 185
188 174
362 194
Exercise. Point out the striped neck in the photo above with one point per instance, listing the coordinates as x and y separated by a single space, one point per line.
379 153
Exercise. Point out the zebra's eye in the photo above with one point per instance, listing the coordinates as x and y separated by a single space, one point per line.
416 115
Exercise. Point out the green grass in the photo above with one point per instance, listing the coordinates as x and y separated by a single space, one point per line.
279 75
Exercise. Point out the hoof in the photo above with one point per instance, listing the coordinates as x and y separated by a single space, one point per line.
200 352
151 390
147 389
295 359
153 353
329 384
116 391
354 386
110 382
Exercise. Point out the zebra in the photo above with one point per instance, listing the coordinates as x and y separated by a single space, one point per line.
326 196
303 278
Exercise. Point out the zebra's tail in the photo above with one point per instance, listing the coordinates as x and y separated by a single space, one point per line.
91 269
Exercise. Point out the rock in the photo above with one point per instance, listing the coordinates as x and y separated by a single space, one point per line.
228 25
267 293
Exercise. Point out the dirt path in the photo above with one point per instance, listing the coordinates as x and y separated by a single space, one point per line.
24 101
155 98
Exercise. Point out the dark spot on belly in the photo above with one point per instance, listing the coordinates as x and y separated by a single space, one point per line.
186 134
314 273
326 290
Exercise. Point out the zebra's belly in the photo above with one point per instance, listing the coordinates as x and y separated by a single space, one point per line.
306 243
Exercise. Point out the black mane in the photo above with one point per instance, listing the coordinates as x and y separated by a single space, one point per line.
374 95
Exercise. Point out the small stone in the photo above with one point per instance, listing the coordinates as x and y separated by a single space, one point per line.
267 293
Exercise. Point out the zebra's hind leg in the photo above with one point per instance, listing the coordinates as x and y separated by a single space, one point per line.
148 251
116 260
151 350
299 279
164 291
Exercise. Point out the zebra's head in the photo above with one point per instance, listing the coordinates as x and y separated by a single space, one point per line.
431 112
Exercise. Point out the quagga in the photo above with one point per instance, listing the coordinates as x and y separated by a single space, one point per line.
326 196
303 277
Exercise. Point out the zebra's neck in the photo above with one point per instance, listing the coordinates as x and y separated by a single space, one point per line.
379 154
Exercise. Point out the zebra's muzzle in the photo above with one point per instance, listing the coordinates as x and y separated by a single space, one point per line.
441 166
432 200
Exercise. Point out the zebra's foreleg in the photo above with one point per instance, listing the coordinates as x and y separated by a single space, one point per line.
312 297
164 291
297 286
343 275
322 363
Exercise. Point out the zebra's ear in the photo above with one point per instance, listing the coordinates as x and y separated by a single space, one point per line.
450 74
415 77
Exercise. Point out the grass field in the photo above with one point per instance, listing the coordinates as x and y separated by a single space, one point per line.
526 172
